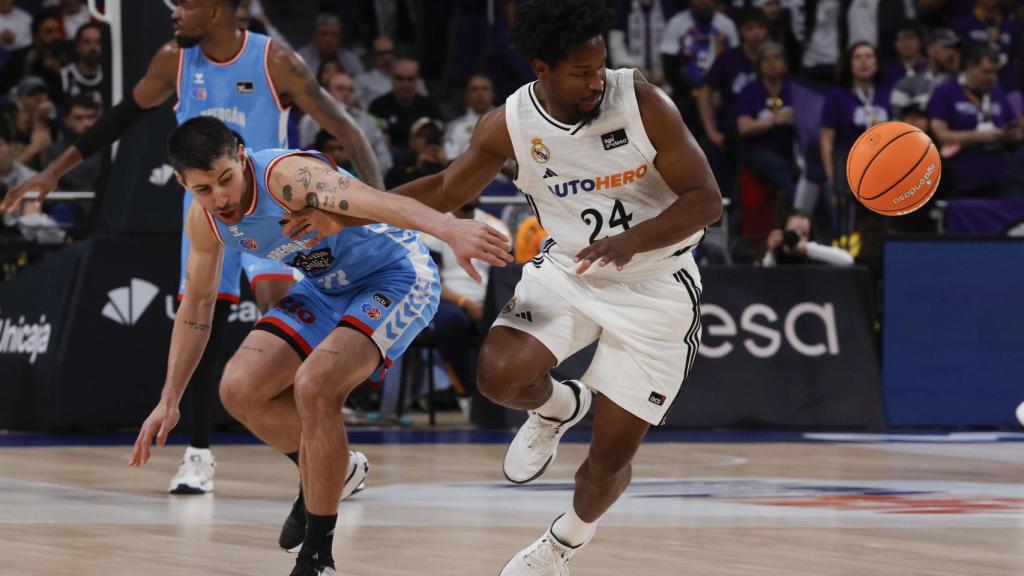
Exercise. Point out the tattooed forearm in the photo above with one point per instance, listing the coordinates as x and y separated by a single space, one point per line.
287 193
343 204
339 123
252 348
197 325
343 182
312 200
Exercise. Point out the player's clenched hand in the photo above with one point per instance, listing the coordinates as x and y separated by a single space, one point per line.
161 421
311 220
43 183
472 240
618 250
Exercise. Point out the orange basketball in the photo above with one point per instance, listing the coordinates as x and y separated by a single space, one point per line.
893 168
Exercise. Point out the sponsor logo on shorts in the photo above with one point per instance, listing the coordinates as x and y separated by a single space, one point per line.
371 312
315 262
509 306
382 300
656 399
614 139
295 308
248 243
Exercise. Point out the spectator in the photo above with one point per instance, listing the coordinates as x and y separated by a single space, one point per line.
877 23
42 58
425 156
780 30
326 42
850 110
635 38
794 244
29 121
692 41
479 98
731 72
342 88
943 64
529 239
12 172
908 49
15 26
766 124
73 14
825 32
329 67
81 112
402 105
974 122
376 81
456 324
333 148
85 74
987 26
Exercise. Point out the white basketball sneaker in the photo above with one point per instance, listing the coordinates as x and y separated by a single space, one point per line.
536 443
195 475
548 556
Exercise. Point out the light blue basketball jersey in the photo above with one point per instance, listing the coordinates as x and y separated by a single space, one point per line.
237 92
336 262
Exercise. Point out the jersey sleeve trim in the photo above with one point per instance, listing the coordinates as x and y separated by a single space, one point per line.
213 226
177 83
266 72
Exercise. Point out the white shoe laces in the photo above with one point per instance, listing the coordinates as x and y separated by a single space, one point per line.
196 466
547 553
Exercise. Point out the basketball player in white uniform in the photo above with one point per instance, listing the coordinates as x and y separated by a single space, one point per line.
625 193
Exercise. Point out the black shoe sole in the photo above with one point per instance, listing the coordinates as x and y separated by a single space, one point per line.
186 490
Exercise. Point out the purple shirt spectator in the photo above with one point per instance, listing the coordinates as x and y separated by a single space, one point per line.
850 113
755 102
981 166
729 75
697 42
1002 35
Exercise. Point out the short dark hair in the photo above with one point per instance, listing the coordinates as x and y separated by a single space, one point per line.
911 25
81 101
546 29
43 16
752 16
198 142
91 25
979 52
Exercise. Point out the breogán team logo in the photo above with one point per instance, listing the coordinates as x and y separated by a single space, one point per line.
125 305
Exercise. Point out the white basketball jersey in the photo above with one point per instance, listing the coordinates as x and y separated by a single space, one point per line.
593 179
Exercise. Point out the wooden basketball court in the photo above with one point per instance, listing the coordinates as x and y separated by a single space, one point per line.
835 505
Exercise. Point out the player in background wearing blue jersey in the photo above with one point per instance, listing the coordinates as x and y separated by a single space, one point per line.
250 82
367 292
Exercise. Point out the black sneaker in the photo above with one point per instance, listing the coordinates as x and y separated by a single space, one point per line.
313 567
294 530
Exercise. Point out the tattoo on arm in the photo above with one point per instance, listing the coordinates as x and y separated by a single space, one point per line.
197 325
343 182
287 193
303 176
312 200
343 204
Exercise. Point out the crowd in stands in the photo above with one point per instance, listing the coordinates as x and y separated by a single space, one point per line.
774 91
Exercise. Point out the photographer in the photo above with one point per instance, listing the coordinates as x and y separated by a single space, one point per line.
794 245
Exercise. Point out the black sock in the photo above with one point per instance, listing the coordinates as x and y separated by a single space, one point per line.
319 538
203 385
294 457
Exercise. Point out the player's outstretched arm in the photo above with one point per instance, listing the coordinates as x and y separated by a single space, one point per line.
684 168
293 79
465 177
159 83
191 331
302 181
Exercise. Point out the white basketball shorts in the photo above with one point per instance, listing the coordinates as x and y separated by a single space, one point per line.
648 331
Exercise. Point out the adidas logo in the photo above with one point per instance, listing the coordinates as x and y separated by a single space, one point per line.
525 316
161 175
125 305
549 173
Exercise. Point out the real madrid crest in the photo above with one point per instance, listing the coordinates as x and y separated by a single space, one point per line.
539 151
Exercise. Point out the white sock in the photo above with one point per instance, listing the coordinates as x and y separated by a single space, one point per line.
572 531
562 403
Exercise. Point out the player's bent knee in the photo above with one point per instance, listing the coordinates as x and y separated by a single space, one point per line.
234 393
317 391
500 377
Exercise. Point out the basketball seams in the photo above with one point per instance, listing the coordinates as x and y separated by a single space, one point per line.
913 207
904 177
864 172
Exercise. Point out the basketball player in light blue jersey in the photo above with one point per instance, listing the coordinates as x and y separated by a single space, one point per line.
246 80
366 292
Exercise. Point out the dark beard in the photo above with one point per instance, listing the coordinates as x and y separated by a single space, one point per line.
187 41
